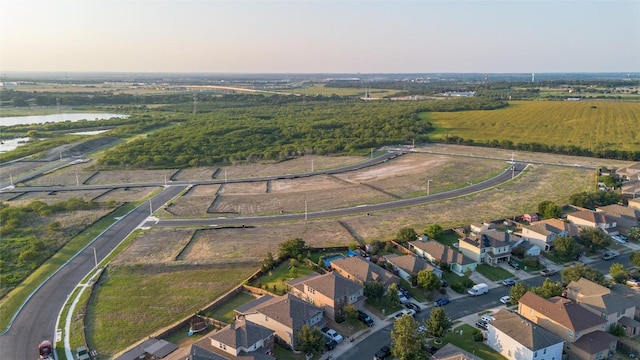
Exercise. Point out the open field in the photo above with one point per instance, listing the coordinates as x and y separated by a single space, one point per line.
294 166
322 89
127 194
586 124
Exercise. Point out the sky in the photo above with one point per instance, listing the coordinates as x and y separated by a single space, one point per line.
509 36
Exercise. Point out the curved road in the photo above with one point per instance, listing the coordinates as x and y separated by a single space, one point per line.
36 320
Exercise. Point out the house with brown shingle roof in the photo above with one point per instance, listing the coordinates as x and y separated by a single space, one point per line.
629 173
330 291
284 314
452 352
584 332
625 217
634 203
593 219
362 271
489 246
408 266
240 340
439 254
517 338
542 233
614 308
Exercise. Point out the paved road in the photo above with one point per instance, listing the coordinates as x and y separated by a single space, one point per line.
36 321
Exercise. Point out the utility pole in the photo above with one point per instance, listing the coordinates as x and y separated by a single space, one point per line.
305 209
95 256
428 183
77 180
311 165
372 153
150 209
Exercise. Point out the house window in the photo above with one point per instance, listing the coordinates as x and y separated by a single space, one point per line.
312 291
223 346
570 334
544 351
509 353
266 318
535 354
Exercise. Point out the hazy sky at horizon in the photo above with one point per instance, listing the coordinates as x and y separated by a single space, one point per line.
320 36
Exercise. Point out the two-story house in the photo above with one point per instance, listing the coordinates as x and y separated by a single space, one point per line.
284 314
442 255
624 216
362 271
519 339
593 219
542 233
488 247
585 333
242 339
408 266
330 291
617 310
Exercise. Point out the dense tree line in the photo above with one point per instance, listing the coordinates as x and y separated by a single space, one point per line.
29 236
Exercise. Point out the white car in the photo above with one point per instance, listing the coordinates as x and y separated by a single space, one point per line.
404 312
333 335
487 317
403 299
505 299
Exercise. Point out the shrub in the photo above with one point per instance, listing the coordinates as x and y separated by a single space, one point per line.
477 335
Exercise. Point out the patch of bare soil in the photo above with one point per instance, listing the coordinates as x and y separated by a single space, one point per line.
244 188
72 175
203 190
204 173
12 170
189 206
320 182
127 194
131 176
58 196
156 246
293 166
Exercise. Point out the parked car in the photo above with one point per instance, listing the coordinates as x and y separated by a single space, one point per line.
609 255
619 239
82 353
404 291
330 344
444 283
332 334
383 353
404 312
508 282
403 299
482 324
413 306
487 317
514 264
547 272
633 281
505 299
441 302
366 319
478 289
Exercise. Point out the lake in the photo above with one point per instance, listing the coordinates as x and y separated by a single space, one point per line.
40 119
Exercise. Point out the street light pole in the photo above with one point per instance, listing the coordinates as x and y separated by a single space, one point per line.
428 186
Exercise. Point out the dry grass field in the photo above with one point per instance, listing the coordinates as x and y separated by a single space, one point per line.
127 194
293 166
204 173
132 177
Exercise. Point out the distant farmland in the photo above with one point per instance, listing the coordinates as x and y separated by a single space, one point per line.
586 124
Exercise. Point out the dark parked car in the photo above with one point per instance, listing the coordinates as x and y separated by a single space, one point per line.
366 319
609 255
330 344
383 353
404 291
482 324
445 283
441 302
547 272
410 305
514 264
508 282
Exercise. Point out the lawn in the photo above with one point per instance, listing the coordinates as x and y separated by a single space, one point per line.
276 280
380 307
465 341
225 312
493 273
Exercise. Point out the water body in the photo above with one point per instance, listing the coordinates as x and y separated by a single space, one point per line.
40 119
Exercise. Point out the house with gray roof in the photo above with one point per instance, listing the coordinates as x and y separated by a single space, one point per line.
488 246
330 291
284 314
452 352
241 340
517 338
625 217
585 333
542 233
361 270
408 266
593 219
614 308
439 254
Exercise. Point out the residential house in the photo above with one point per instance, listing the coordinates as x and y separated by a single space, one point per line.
614 308
408 266
330 291
585 333
242 339
488 247
361 270
634 203
529 248
626 217
284 314
592 219
519 339
542 233
439 254
452 352
530 218
629 173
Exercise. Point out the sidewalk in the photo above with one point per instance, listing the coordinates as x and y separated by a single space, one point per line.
354 339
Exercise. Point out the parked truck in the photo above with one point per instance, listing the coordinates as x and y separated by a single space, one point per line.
478 289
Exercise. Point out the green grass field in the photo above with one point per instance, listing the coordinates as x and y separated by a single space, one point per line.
587 124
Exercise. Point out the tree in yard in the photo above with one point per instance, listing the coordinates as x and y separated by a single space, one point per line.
594 239
428 280
566 247
517 291
634 234
582 199
618 273
268 263
293 248
438 322
392 295
311 340
406 234
373 289
350 312
434 231
575 272
549 210
406 340
548 289
635 258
